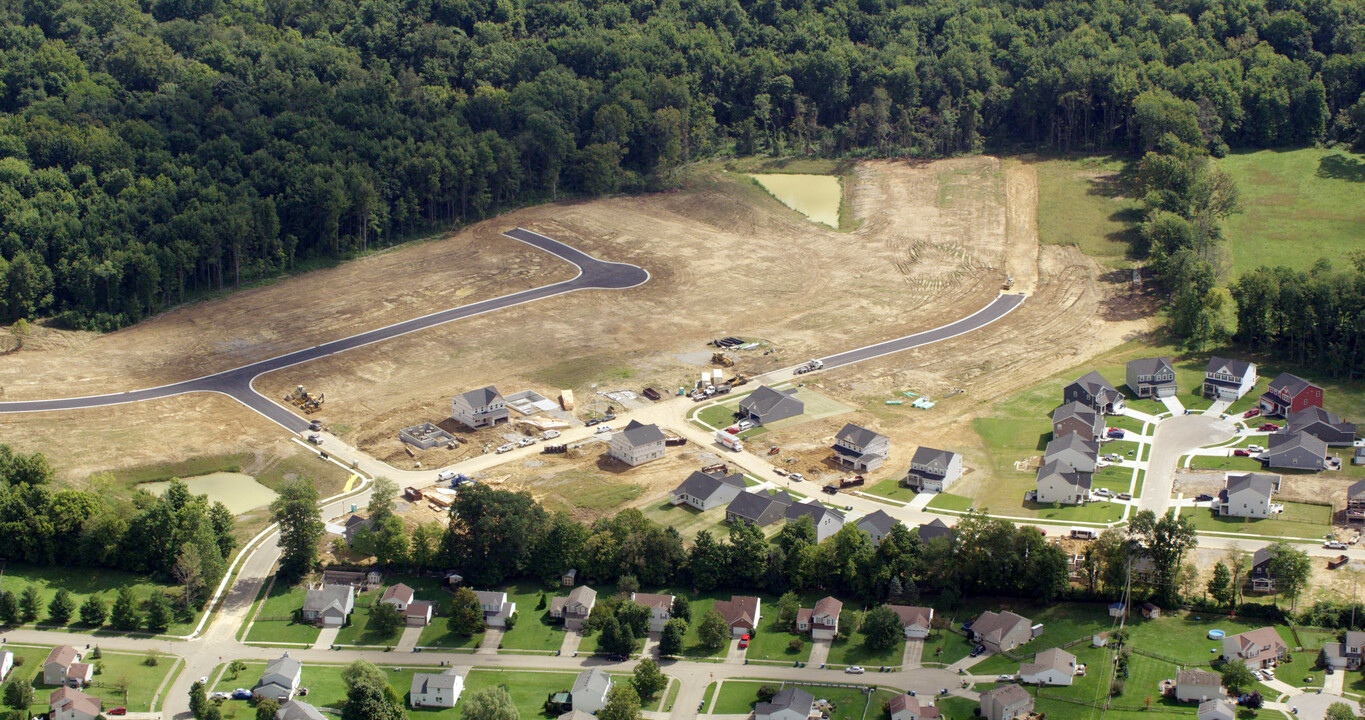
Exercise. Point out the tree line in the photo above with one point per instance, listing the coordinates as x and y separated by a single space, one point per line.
177 538
154 151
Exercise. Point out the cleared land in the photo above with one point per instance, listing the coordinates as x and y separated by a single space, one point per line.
1291 195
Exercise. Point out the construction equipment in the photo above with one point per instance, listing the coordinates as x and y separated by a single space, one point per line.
652 394
722 359
851 482
296 396
721 468
809 367
1009 282
304 400
737 380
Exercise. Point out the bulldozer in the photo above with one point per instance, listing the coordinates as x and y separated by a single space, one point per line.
722 359
737 380
312 403
295 397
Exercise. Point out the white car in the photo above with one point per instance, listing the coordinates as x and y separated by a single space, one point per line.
1255 448
220 696
854 670
780 471
603 429
1269 674
797 477
1004 678
1335 545
1104 492
549 435
509 447
525 442
745 424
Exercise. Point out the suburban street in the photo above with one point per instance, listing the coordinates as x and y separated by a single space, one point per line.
1177 436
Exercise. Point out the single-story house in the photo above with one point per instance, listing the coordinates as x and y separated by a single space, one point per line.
861 449
1006 702
1093 391
932 470
574 608
660 608
298 710
399 596
1296 451
440 690
766 405
355 578
353 525
915 621
1002 631
1195 685
790 703
1229 380
740 613
706 491
329 605
1151 377
758 507
280 680
1257 648
934 529
827 520
821 621
590 690
1289 394
1049 667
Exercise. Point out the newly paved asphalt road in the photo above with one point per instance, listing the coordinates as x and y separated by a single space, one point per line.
236 383
999 308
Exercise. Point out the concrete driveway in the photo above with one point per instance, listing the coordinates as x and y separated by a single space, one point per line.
1174 437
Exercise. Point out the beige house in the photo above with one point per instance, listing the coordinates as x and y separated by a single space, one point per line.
574 608
660 608
637 444
1049 667
1195 685
821 621
1006 703
1258 648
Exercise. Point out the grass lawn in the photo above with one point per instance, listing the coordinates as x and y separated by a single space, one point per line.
721 415
1131 400
739 696
436 635
270 470
1291 195
359 632
706 697
1297 520
949 501
581 489
85 582
142 680
275 622
854 651
944 647
687 520
1128 423
1113 477
1081 202
1182 637
1232 462
534 629
891 488
771 642
1095 512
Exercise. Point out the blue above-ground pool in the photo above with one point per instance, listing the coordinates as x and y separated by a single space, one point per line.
1215 634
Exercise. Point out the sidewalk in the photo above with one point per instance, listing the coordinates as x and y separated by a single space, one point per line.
1139 415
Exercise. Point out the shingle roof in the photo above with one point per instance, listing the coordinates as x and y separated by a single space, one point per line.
1050 659
65 696
1007 694
935 528
593 680
298 710
1194 676
1235 368
912 705
1259 483
1072 441
1067 474
763 400
814 510
857 435
1357 490
490 597
790 697
741 609
1149 366
828 605
400 592
1285 441
753 505
583 594
998 624
1217 707
327 596
426 682
878 521
701 485
1290 384
638 434
63 655
653 600
913 614
1258 638
932 457
481 397
1095 384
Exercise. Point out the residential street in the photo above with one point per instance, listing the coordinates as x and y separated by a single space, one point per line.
1174 437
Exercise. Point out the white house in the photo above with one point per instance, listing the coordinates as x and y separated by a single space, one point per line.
1049 667
660 609
637 444
436 690
861 449
877 525
496 608
1218 709
1228 380
475 409
704 491
826 519
1247 494
590 690
280 679
399 596
1195 685
915 621
6 664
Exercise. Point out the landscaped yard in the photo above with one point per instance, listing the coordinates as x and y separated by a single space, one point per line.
949 501
534 629
854 651
944 647
891 488
739 696
687 520
275 620
1298 520
774 643
84 582
114 669
1182 637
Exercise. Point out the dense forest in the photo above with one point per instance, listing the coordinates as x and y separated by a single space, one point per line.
155 150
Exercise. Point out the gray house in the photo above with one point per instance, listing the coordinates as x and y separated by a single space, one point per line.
861 449
280 680
933 530
932 470
1228 380
790 703
329 604
1074 450
758 508
1296 451
1093 391
1002 631
1074 417
479 408
1006 702
1060 483
766 405
638 444
1151 377
1322 425
590 690
704 492
827 520
877 525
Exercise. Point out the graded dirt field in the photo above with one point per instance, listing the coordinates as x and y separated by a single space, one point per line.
933 242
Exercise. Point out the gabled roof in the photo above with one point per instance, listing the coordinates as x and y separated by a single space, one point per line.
284 667
932 457
1149 366
1050 659
739 609
913 615
1260 483
816 511
1310 416
1063 471
1289 384
1096 386
481 397
1258 638
1194 676
764 399
1286 441
490 597
1217 708
857 435
994 625
63 655
905 703
638 434
1235 368
593 680
583 595
400 592
653 600
935 528
426 682
1007 694
1072 441
701 485
828 605
1264 555
788 698
70 697
754 505
1356 491
879 522
327 596
298 710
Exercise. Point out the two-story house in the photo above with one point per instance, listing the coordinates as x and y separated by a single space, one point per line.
1151 377
439 690
496 607
826 519
1081 453
1346 655
1002 631
861 449
637 444
63 665
706 491
574 608
1096 393
1073 417
934 530
68 703
660 608
280 680
1229 380
1006 702
479 408
1355 502
878 525
916 622
932 470
590 690
1289 394
1247 494
1295 451
1257 648
1058 482
821 621
1259 575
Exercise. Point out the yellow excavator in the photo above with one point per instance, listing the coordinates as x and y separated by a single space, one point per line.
722 359
305 401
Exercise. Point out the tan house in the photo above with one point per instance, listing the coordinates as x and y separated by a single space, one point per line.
1006 703
57 666
574 608
915 621
660 608
1258 648
821 621
71 704
1195 685
1001 632
906 707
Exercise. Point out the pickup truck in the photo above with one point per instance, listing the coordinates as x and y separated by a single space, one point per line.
526 442
830 489
603 429
509 447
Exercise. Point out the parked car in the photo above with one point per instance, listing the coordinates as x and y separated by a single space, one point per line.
603 429
1335 545
1004 678
118 711
241 694
1104 492
609 417
593 421
1239 452
1269 427
220 696
549 435
1251 413
1270 674
780 471
745 424
524 442
797 477
315 439
1203 497
854 670
1125 496
743 641
830 489
1255 448
509 447
1114 432
978 650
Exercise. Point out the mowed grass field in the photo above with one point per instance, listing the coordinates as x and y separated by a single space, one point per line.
1297 206
1081 202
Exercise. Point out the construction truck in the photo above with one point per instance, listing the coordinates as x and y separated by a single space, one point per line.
1009 282
737 380
722 359
811 366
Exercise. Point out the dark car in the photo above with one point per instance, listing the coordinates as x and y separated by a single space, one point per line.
1203 497
830 489
978 650
241 694
593 421
618 657
1239 452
